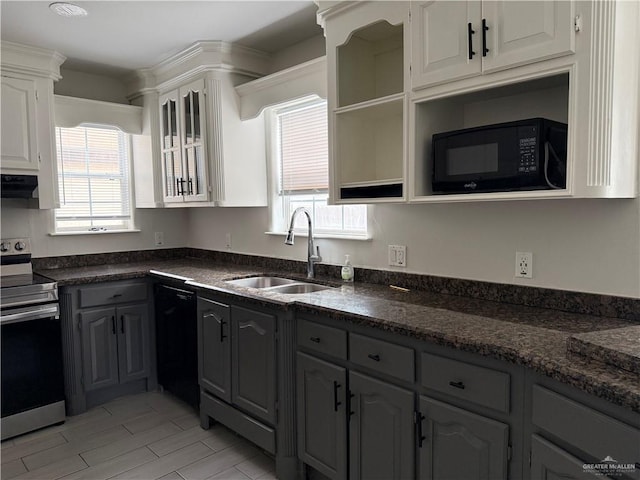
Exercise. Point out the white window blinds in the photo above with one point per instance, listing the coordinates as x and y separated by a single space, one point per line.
303 146
93 179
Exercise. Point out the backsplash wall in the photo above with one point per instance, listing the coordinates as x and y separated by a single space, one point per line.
590 246
19 221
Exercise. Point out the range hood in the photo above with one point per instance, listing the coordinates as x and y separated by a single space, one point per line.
18 186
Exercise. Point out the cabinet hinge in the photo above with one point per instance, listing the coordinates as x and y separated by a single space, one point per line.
577 23
509 452
37 97
39 158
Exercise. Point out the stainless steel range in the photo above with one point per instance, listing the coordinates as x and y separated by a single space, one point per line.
32 373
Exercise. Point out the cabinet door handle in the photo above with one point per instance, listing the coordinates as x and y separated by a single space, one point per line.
485 50
113 324
122 323
222 335
470 32
419 436
349 403
315 339
336 403
190 185
180 185
459 385
374 356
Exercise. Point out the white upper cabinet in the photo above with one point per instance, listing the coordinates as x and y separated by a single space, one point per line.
19 133
195 149
182 140
523 32
28 136
454 40
367 68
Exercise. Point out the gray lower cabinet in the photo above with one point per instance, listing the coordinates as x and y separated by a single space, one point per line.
381 430
108 342
457 444
214 348
549 462
237 356
322 421
253 371
115 345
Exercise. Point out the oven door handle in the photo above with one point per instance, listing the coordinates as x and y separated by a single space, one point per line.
43 311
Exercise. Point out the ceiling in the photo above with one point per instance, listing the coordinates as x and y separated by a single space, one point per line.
119 36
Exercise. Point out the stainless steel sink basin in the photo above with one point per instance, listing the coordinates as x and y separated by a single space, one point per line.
278 285
260 282
300 287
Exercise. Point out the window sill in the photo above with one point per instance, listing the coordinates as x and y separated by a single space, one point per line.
71 234
334 236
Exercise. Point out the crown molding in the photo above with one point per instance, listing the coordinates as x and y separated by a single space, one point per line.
29 60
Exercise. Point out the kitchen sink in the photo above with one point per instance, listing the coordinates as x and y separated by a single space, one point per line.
278 285
299 287
261 282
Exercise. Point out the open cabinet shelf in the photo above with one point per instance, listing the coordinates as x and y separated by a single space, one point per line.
546 97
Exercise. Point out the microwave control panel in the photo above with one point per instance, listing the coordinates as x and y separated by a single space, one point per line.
527 143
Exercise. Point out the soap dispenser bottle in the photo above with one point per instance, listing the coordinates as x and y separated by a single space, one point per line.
347 270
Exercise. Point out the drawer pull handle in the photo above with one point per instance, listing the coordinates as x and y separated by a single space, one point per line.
315 339
116 295
336 403
375 357
459 385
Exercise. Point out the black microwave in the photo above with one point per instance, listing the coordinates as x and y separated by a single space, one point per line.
523 155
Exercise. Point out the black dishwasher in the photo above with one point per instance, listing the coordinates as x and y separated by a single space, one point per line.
177 342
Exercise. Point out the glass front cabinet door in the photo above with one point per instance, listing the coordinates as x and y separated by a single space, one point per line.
182 123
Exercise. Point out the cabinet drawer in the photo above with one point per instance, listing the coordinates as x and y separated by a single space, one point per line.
599 435
382 356
320 338
115 293
479 385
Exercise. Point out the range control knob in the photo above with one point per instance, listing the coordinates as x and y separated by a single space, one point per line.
19 246
5 246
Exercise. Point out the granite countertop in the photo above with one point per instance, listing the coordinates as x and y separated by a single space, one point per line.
599 355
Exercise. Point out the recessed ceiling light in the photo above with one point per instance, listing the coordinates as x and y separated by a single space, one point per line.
65 9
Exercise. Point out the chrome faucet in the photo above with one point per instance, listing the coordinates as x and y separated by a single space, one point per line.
311 256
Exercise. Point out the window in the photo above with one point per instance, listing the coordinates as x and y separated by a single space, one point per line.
93 179
300 164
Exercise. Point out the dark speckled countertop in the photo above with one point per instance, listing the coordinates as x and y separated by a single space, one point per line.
537 338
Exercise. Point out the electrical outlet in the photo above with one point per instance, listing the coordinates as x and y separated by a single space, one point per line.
159 239
524 264
227 241
397 255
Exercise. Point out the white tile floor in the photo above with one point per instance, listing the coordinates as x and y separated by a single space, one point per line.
146 436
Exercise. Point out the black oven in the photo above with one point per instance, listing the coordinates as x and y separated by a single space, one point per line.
523 155
32 379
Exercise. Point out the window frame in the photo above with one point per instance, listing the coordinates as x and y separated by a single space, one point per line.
129 224
278 216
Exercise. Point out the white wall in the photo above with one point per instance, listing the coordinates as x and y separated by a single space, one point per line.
580 245
92 86
19 221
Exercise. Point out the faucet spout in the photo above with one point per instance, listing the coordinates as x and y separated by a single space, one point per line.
313 254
